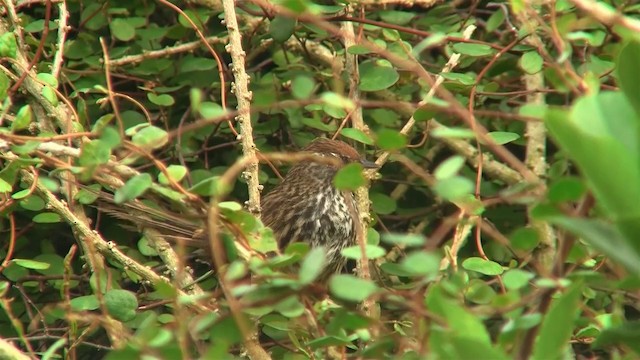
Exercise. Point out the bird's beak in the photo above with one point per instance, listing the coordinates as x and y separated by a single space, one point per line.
368 164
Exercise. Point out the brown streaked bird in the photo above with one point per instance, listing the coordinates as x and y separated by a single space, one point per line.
305 206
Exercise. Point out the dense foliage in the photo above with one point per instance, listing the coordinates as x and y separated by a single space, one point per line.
503 221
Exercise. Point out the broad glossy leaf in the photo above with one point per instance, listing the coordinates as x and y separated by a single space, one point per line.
121 304
357 134
281 28
449 167
302 87
349 177
150 137
531 62
8 45
375 77
388 139
382 203
503 137
47 218
628 75
176 172
351 288
599 129
161 100
557 326
133 188
355 252
122 29
473 49
404 239
312 265
604 237
30 264
483 266
458 319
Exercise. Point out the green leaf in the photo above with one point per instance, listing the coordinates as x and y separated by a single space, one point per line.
31 264
479 292
312 265
486 267
161 100
628 75
327 341
85 303
388 139
626 334
454 188
403 239
458 318
195 97
503 137
600 128
150 137
557 326
351 288
431 40
337 101
449 167
121 29
21 194
8 45
197 17
230 205
453 133
349 177
464 79
5 83
375 77
88 195
121 304
302 87
5 186
358 50
531 62
425 112
50 94
145 248
524 239
282 27
176 172
133 188
290 307
495 20
94 153
473 49
602 236
422 263
47 218
355 252
48 79
515 279
210 110
383 204
566 189
265 242
357 134
190 63
396 17
210 186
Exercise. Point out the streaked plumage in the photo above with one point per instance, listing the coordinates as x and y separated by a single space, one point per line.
306 206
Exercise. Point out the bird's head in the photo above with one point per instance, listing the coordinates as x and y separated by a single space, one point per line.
339 150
